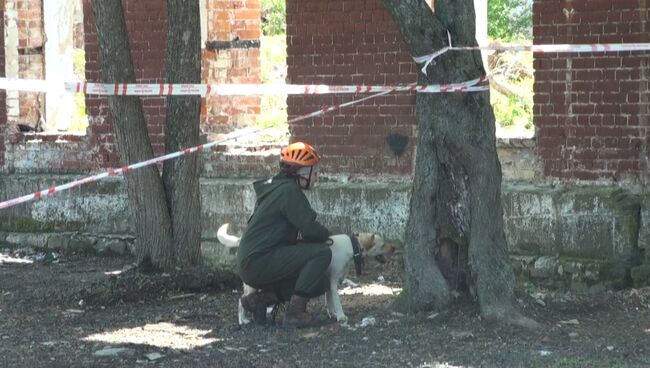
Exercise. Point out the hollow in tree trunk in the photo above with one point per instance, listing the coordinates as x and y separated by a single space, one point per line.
454 236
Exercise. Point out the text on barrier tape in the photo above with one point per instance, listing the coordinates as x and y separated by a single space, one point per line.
165 89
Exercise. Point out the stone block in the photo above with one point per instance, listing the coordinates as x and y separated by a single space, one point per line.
19 240
544 267
112 247
59 242
82 244
531 235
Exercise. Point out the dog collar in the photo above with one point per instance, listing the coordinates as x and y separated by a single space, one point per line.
356 256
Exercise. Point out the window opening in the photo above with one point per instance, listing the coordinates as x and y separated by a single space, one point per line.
511 73
64 62
273 51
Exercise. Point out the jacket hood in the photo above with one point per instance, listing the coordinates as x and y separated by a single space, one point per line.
264 187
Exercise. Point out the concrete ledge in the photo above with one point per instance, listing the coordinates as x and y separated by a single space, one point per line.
568 224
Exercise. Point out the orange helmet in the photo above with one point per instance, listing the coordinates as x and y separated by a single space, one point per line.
298 155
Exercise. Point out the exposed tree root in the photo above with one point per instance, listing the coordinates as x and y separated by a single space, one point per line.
513 318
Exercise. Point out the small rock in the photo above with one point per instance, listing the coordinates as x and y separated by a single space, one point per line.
610 348
81 303
310 335
397 314
573 335
368 321
234 349
154 356
544 353
109 352
570 322
461 334
380 278
348 282
432 315
73 311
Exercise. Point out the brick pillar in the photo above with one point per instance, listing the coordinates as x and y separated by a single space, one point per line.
30 57
231 55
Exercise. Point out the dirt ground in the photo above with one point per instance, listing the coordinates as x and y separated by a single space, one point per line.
45 323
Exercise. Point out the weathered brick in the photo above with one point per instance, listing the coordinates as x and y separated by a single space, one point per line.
605 90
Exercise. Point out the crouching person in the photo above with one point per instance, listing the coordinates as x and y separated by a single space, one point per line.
283 252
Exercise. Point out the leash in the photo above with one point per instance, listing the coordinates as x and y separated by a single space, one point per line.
276 310
356 255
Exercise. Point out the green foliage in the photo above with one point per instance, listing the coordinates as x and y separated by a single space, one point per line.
274 17
274 71
512 111
79 118
515 70
510 19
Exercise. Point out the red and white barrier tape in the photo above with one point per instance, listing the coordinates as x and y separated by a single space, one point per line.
457 87
542 49
165 89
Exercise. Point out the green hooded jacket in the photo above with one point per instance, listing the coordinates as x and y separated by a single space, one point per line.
282 210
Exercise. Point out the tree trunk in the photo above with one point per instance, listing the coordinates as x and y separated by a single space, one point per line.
454 236
144 186
181 175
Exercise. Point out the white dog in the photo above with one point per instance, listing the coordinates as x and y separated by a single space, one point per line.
344 250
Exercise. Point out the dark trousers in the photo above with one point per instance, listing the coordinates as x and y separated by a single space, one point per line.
293 269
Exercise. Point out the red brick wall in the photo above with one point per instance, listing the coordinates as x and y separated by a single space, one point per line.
3 94
591 110
147 26
350 42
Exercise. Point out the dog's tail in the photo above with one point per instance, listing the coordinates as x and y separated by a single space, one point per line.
230 241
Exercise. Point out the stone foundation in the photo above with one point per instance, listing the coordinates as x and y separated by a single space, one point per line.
584 237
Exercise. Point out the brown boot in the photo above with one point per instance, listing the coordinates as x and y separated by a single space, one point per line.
296 314
257 302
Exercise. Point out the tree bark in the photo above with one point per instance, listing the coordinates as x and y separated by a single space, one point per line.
454 236
144 186
180 176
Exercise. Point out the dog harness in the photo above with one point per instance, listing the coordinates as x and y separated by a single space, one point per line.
356 254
